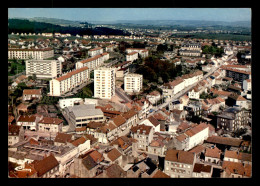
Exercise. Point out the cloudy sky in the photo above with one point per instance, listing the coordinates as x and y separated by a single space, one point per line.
112 14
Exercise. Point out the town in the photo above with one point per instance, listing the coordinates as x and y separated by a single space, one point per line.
128 106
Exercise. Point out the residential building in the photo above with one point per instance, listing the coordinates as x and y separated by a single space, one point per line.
14 53
133 83
236 170
68 81
141 51
43 68
247 85
132 56
47 167
232 119
29 94
179 164
212 155
104 83
144 135
237 100
95 51
190 49
13 134
29 122
202 171
52 125
93 62
153 97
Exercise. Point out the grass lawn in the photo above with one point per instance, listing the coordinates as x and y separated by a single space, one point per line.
17 68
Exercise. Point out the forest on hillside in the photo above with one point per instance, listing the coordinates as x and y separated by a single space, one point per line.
26 26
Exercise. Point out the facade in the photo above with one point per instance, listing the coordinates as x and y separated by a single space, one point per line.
202 171
179 164
190 49
29 94
141 51
104 83
144 135
93 62
29 122
247 85
48 124
133 83
30 53
67 82
212 155
95 51
43 68
194 94
232 119
154 96
132 56
81 115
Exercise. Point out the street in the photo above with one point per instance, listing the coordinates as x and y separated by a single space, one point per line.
184 91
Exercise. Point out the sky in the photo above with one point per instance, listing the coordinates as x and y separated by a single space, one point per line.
113 14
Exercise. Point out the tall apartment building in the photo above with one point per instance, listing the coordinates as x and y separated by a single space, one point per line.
43 68
17 53
93 62
67 82
95 51
133 83
104 83
132 56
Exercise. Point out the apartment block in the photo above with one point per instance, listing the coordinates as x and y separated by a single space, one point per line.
133 83
93 62
17 53
43 68
95 51
104 83
67 82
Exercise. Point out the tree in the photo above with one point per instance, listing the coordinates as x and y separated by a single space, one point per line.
34 77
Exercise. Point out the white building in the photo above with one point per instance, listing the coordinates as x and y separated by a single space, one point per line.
81 115
132 56
133 83
67 82
43 68
104 83
141 51
48 124
30 53
93 62
194 94
247 84
95 51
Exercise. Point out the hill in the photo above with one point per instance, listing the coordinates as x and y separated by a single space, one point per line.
27 26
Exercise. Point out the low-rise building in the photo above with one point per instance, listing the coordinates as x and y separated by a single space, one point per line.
29 94
202 171
81 115
179 164
52 125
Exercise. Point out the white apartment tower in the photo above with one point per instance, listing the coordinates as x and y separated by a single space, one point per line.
43 68
133 83
104 83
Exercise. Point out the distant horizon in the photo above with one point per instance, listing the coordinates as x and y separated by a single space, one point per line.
134 14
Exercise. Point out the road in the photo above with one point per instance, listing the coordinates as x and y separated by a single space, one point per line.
122 95
181 93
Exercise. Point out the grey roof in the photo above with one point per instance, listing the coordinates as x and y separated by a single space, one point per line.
84 110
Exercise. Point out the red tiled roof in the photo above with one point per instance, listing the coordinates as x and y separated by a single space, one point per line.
32 92
160 174
113 154
26 118
214 153
179 156
48 120
68 75
45 165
